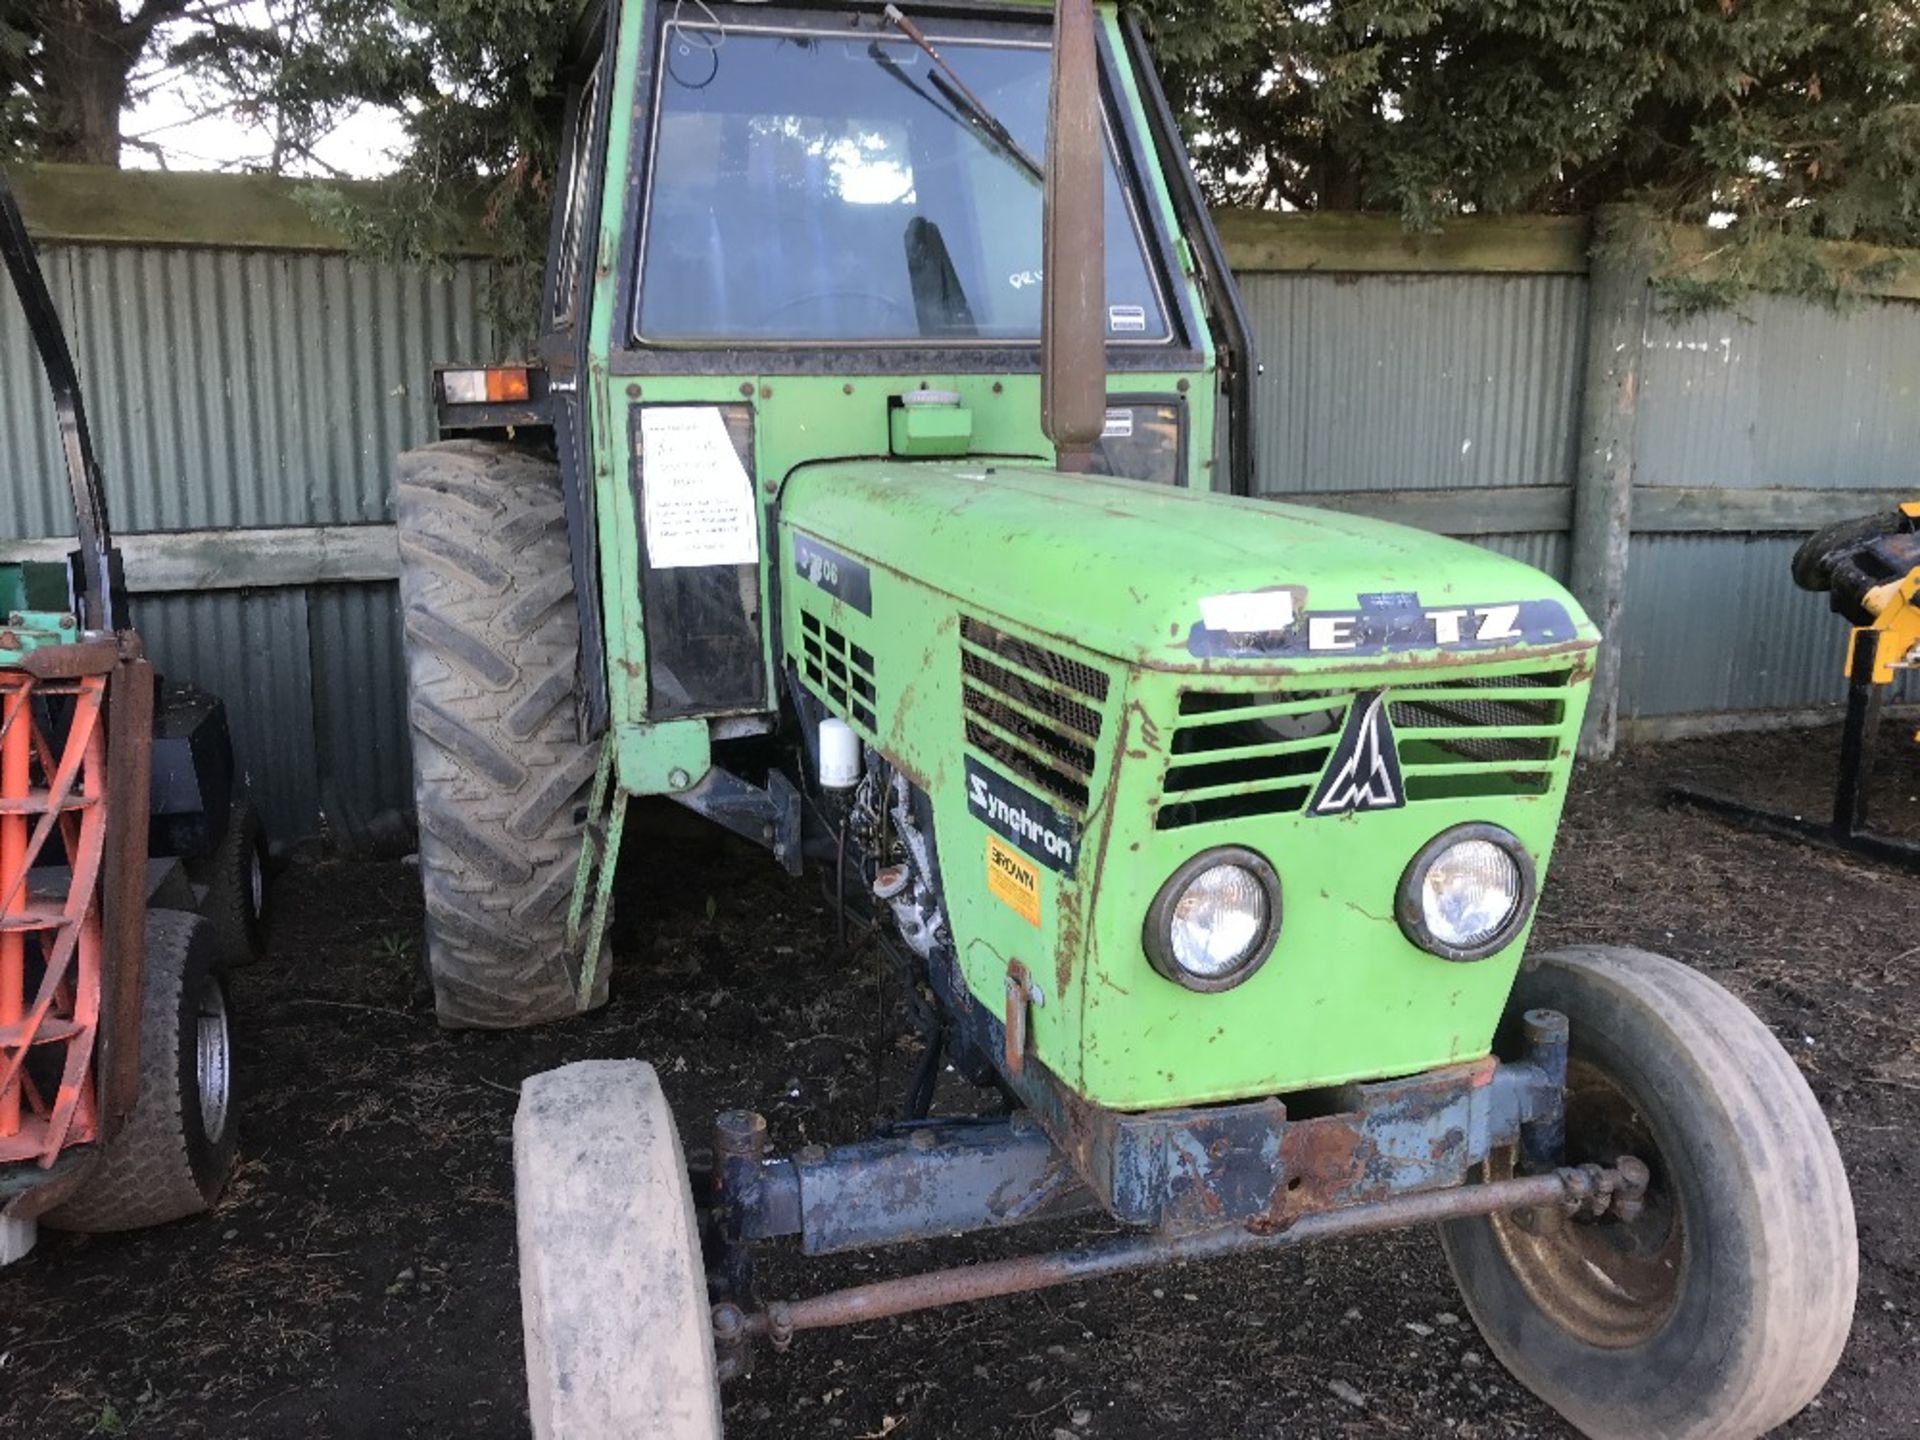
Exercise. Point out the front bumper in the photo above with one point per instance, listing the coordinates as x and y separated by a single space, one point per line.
1255 1163
1178 1172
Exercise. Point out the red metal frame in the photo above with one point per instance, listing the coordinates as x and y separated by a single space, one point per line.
39 791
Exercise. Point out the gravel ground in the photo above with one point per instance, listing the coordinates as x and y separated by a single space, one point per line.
358 1277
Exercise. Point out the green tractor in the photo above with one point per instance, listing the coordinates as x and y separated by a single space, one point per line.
883 494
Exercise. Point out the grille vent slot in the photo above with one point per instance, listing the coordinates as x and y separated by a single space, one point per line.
1252 753
1441 754
1033 710
838 671
1053 668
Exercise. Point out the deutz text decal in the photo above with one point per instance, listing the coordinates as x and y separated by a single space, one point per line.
1028 821
1013 881
1364 773
1391 623
839 575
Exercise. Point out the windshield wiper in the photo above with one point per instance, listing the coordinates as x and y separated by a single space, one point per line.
956 90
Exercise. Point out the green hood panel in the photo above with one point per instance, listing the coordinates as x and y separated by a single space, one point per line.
1122 567
1021 646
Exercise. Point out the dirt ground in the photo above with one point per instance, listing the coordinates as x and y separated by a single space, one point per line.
358 1278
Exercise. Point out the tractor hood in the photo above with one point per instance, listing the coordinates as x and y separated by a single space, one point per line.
1180 580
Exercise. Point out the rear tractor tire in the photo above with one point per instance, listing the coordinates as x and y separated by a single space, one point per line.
613 1297
1719 1312
501 774
173 1155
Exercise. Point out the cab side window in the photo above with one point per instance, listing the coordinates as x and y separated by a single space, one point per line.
576 232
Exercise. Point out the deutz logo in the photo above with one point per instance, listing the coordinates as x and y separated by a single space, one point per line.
1364 773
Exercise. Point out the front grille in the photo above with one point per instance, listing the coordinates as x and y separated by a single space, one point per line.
1241 754
1249 753
838 671
1033 710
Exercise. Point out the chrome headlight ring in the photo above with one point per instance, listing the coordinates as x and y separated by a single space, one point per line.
1470 851
1201 882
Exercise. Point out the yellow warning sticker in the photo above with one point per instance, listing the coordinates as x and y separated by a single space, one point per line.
1014 881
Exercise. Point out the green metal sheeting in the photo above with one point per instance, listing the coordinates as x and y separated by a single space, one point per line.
239 389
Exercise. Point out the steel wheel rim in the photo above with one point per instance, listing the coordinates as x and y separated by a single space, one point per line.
213 1067
256 884
1609 1283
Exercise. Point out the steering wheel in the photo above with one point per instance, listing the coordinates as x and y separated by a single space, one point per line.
822 297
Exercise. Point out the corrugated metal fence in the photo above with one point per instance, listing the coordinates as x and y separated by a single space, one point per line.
240 388
247 389
1382 383
1783 395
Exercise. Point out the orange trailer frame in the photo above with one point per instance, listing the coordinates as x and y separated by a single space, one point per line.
74 762
42 791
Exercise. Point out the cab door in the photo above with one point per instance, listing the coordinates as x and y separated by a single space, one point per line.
562 347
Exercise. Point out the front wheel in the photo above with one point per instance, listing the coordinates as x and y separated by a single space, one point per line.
1721 1310
613 1296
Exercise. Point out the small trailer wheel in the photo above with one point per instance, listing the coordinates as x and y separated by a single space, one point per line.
235 877
613 1296
1721 1309
173 1155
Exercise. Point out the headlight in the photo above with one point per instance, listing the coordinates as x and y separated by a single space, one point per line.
1467 893
1215 920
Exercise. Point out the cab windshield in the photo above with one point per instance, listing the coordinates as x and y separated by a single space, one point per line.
816 187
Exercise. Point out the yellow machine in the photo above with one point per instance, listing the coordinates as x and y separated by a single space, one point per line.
1870 571
1886 606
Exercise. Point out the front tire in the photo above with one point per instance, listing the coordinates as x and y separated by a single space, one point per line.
1722 1310
173 1155
500 771
613 1297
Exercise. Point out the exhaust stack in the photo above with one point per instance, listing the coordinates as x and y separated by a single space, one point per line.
1073 329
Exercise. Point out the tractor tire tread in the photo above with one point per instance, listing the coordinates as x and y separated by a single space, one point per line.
433 631
530 713
500 771
460 563
465 744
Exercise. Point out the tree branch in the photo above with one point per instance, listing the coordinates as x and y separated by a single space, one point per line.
159 152
135 29
155 13
299 148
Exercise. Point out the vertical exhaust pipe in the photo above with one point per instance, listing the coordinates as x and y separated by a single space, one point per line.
1073 327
